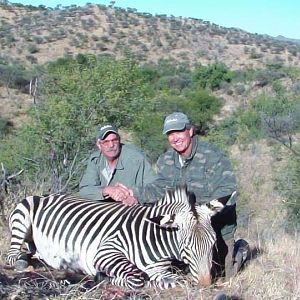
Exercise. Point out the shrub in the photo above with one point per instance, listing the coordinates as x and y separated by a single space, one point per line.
78 95
225 133
14 75
240 89
212 76
178 82
254 54
201 106
266 117
32 48
5 125
148 135
288 178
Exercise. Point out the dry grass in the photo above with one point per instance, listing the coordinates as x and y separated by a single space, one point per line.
272 273
13 105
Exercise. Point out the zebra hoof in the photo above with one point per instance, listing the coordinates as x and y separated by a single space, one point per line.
21 265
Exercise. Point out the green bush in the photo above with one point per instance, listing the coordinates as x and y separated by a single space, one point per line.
5 126
78 95
14 75
149 136
201 106
266 117
288 179
32 48
212 76
225 133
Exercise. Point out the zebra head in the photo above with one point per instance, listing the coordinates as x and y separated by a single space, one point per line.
196 236
200 244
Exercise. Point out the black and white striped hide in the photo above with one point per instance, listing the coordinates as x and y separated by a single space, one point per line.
133 246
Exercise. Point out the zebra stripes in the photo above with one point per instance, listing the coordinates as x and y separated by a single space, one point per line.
133 246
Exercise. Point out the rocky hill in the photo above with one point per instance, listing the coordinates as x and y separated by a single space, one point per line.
37 35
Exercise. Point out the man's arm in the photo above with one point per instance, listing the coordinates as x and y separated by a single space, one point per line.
145 175
221 178
156 189
90 185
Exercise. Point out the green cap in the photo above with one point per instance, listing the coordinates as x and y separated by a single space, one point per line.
104 130
175 122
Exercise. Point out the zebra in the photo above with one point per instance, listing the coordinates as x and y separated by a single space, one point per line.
133 246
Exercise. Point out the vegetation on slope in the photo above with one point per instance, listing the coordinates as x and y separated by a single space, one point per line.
39 34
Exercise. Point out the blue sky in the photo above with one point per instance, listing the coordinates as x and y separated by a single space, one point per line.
273 17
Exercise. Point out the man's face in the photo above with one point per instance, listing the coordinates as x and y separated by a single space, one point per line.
181 141
110 146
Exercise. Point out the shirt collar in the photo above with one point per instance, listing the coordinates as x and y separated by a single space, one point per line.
120 163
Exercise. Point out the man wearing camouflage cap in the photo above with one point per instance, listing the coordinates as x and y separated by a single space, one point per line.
206 171
116 170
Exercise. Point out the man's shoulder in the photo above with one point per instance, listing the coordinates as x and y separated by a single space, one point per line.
95 154
132 151
208 147
166 156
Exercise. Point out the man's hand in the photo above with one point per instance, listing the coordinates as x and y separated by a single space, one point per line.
121 193
130 201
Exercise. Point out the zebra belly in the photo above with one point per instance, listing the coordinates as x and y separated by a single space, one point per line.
62 257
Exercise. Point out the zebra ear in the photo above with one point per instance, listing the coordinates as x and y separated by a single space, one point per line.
216 205
226 199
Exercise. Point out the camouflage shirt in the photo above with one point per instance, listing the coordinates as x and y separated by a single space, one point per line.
207 172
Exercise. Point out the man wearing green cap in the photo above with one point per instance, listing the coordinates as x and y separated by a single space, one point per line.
208 174
116 171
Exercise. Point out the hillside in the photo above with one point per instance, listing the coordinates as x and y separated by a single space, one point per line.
35 35
41 35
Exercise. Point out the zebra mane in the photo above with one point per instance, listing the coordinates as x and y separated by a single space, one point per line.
175 200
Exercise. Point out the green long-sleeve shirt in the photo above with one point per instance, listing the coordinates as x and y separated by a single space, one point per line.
132 169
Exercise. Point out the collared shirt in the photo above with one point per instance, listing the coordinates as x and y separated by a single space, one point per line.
132 169
108 172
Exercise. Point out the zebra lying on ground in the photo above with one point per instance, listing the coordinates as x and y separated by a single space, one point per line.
134 246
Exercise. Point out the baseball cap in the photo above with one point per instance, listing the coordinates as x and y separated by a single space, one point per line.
175 121
104 130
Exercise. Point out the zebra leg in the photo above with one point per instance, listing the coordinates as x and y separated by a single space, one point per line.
24 258
20 227
162 276
119 270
